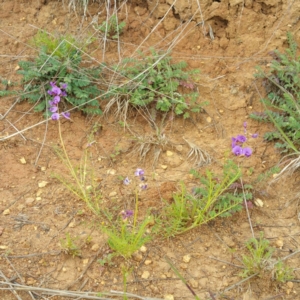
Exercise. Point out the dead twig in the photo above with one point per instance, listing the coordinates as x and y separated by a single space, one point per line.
71 294
10 286
85 269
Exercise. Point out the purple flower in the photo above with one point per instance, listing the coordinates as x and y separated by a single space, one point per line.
55 116
139 172
245 125
53 109
126 214
63 86
237 150
56 99
233 142
247 151
143 186
241 138
254 135
126 181
63 93
56 91
66 115
52 83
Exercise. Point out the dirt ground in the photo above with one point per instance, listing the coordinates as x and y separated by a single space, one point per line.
237 35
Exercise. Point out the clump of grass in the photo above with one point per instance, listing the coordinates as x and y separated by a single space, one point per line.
258 261
211 199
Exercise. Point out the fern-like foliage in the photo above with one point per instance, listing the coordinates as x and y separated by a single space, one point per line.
154 81
58 61
215 196
282 103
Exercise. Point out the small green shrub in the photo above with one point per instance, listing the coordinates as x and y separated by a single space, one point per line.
58 60
282 105
259 261
112 28
214 198
154 81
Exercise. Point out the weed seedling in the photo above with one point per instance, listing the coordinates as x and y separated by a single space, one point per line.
69 247
112 28
259 261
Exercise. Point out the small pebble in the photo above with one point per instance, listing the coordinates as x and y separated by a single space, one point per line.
146 275
186 258
95 247
148 262
143 249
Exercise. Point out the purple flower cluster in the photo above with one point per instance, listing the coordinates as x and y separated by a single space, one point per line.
138 173
57 93
126 214
238 142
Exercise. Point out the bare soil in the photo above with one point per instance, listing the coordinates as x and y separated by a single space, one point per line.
235 37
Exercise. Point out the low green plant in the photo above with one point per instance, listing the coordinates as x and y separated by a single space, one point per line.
115 153
282 104
59 59
259 256
81 180
214 198
282 272
154 81
107 260
126 237
69 246
259 261
112 28
266 175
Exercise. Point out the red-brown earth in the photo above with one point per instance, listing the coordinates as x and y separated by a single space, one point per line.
35 219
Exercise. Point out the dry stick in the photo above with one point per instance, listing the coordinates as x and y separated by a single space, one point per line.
11 107
42 145
240 282
247 210
12 125
226 262
33 254
73 294
288 256
85 269
29 292
11 287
